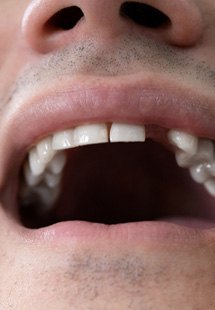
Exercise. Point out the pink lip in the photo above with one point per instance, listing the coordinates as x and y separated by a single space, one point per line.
136 233
66 107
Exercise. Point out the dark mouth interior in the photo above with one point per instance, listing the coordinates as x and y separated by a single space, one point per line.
119 183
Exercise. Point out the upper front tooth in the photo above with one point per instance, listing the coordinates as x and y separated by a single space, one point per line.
36 165
45 150
90 134
127 133
63 140
184 141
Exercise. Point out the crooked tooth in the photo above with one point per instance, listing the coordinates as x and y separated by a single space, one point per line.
184 141
30 178
127 133
52 180
45 150
90 134
57 163
63 140
36 165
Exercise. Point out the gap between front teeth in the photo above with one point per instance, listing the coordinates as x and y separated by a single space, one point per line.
44 168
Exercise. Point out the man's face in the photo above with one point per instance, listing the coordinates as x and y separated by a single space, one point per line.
91 216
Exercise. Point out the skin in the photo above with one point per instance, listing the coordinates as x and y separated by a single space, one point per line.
110 275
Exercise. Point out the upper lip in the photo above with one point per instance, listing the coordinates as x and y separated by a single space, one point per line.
70 104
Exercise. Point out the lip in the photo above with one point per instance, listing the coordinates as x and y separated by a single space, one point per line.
70 104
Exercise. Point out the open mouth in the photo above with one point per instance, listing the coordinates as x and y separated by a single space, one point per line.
113 173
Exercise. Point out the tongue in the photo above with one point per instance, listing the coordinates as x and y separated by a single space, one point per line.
126 182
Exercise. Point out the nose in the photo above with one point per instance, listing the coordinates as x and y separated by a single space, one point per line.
50 24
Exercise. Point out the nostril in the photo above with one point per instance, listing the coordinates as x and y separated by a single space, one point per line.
64 19
144 14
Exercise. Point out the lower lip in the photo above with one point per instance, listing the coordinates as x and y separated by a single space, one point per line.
165 231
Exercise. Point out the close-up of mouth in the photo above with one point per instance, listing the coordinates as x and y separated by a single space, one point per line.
107 158
116 169
110 174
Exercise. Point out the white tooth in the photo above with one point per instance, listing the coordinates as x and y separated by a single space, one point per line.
52 180
45 150
58 162
90 134
211 168
127 133
30 178
63 140
184 141
200 173
36 166
183 159
204 154
210 186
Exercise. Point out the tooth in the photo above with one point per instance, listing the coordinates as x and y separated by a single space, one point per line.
204 154
46 195
63 140
211 168
210 186
52 180
183 159
90 134
45 150
200 173
30 178
205 151
36 166
58 162
184 141
127 133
